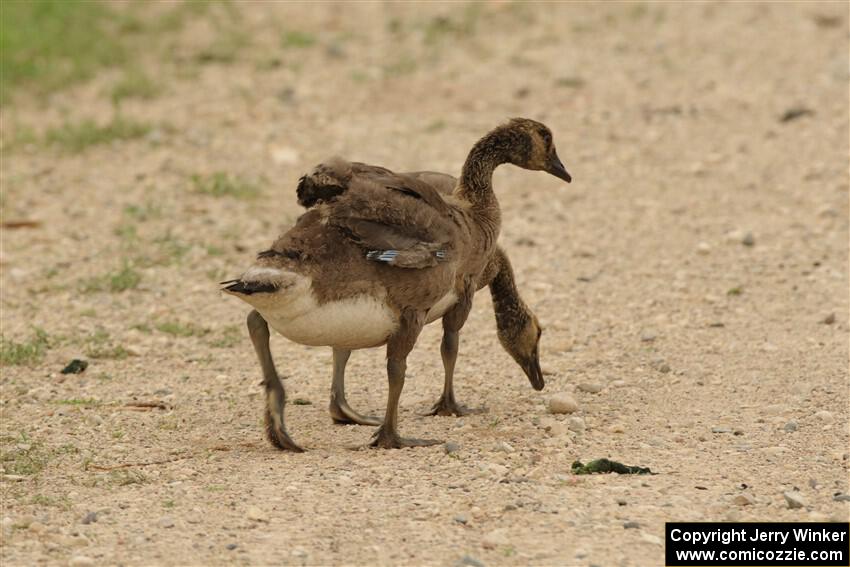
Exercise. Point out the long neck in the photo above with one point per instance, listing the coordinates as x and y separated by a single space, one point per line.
476 178
512 314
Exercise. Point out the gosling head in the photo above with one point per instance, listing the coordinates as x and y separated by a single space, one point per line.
536 150
523 344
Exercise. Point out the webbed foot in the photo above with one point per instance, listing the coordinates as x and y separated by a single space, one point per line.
451 407
342 414
384 439
277 435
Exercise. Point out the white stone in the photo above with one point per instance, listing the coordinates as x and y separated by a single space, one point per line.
283 155
166 522
794 499
576 424
825 416
562 403
494 539
650 538
256 514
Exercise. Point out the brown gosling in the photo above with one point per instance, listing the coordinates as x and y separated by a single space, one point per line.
375 265
519 330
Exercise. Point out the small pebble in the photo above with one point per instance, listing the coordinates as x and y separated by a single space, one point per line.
494 539
703 248
742 500
562 403
825 416
590 387
460 519
80 561
89 518
734 236
553 427
576 425
78 541
468 561
631 525
841 497
166 522
256 514
648 336
231 546
504 447
829 319
794 499
791 426
749 239
451 447
37 528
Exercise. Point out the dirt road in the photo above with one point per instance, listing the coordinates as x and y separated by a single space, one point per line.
695 273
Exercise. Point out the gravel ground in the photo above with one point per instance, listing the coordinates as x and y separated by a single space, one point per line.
692 280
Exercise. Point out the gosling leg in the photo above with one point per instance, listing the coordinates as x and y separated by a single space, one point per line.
398 347
275 393
453 320
341 412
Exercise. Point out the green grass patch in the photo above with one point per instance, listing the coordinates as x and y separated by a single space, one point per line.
143 327
404 64
25 458
127 477
297 39
220 184
178 329
86 402
114 352
49 44
443 28
142 212
75 137
135 84
62 502
229 337
127 232
118 281
171 249
99 345
26 353
224 48
569 82
213 250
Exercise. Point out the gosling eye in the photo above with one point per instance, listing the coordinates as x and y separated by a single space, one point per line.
547 137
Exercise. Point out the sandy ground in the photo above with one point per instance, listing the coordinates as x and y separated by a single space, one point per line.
716 366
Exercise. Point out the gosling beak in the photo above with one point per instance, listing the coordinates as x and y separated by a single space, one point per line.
556 168
533 371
